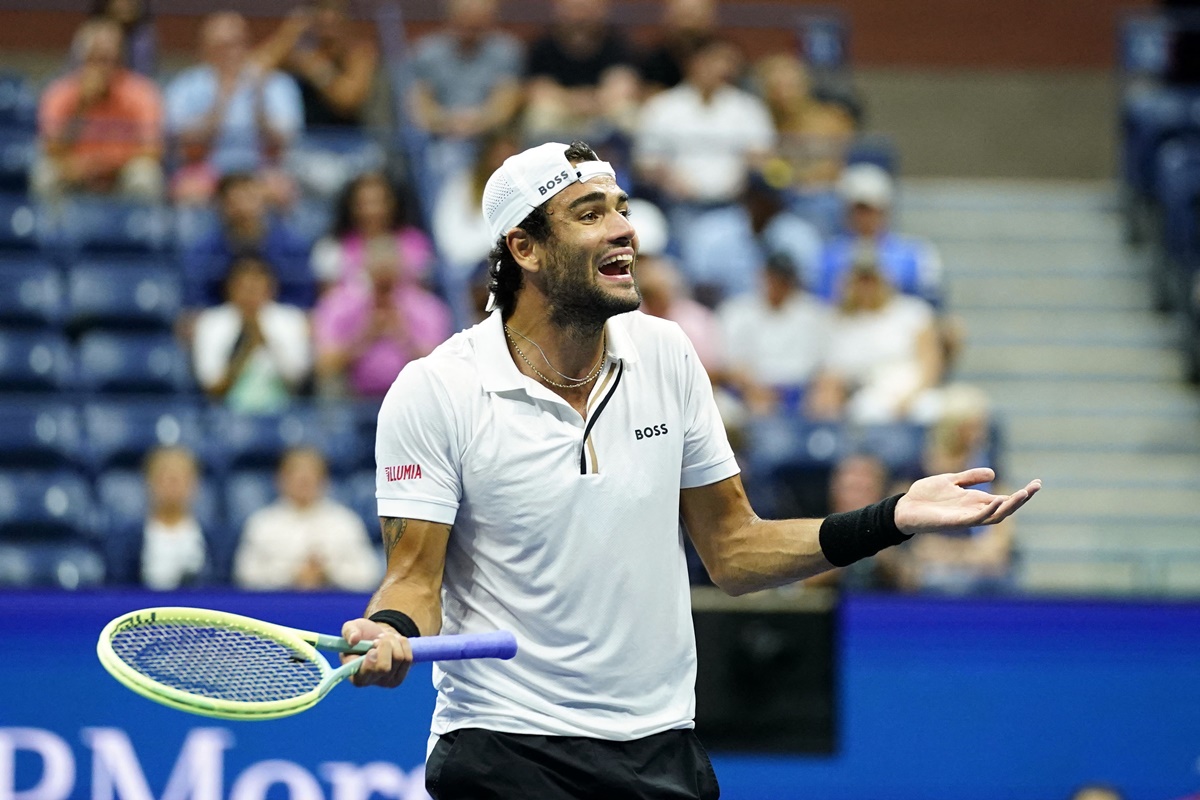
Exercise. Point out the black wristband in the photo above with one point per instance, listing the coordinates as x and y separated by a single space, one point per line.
399 620
855 535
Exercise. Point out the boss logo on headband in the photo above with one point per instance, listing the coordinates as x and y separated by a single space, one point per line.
558 179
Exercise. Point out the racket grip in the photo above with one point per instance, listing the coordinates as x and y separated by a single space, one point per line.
497 644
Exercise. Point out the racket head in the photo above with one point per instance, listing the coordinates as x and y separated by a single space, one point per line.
214 663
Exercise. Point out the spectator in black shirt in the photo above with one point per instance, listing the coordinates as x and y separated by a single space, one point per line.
581 80
686 25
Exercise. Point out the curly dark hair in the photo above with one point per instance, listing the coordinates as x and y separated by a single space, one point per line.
505 276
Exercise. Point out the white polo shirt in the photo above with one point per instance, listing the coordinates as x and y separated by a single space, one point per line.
573 545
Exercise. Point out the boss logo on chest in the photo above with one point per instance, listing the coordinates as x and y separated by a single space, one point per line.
649 432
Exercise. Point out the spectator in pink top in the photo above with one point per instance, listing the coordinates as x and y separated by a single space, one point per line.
367 210
365 331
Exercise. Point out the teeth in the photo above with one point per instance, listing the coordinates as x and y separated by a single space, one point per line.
628 259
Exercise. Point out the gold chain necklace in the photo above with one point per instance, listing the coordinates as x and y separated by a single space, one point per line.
591 376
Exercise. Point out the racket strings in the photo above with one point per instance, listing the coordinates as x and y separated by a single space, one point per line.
219 663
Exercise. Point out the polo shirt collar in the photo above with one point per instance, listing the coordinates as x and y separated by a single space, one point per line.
497 370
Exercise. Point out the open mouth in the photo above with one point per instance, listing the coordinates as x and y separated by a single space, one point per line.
617 265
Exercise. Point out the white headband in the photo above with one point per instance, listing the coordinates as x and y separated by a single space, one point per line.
528 179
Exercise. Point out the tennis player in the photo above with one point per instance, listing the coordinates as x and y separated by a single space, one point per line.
532 475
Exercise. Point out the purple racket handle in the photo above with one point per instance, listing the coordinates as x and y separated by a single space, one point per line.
497 644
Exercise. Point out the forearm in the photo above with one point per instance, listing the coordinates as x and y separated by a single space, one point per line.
416 557
762 554
421 605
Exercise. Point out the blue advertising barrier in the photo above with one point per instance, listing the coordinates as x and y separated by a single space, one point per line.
939 700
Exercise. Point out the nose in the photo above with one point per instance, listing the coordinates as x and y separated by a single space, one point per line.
622 229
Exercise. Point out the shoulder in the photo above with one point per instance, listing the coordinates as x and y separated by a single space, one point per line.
651 335
191 79
911 308
133 84
61 87
445 377
286 314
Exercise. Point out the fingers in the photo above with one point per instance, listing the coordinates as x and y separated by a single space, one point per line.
387 663
973 476
358 630
1013 502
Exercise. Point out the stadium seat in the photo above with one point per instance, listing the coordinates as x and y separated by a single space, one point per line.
32 293
118 296
35 361
37 434
36 506
120 433
128 362
85 225
20 223
246 491
61 565
357 491
899 445
18 101
1178 188
18 147
778 441
244 441
325 159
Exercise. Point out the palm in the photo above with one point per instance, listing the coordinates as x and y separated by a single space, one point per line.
942 502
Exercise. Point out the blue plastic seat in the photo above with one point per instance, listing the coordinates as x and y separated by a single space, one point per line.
899 445
86 225
246 491
127 362
18 101
786 441
243 441
39 434
35 361
20 223
119 296
121 432
36 506
18 148
60 565
32 293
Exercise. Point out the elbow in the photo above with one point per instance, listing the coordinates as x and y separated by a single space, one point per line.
731 582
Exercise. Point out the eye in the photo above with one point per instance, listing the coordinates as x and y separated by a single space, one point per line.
625 212
589 216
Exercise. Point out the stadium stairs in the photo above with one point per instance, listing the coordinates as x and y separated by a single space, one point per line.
1085 376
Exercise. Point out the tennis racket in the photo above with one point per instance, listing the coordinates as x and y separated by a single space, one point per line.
232 667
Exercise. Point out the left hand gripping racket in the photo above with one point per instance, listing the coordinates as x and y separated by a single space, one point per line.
232 667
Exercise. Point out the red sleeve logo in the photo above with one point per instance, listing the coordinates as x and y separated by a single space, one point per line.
404 472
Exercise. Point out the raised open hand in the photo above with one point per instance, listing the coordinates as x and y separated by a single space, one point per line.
942 502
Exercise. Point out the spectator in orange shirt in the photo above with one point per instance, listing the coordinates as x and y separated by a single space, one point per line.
100 125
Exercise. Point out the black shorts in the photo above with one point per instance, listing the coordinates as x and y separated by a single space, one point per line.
477 764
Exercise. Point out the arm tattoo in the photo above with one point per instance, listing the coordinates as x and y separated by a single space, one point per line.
393 529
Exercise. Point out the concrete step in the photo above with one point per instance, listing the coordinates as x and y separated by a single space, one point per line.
1015 223
1084 327
1099 536
1118 576
963 259
1144 505
1050 293
1095 197
1034 362
1120 471
1104 432
1015 398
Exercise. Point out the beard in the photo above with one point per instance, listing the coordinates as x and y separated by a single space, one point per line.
576 301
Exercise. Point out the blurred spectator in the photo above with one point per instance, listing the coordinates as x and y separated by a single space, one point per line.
365 331
581 79
883 355
664 294
247 227
814 135
909 264
252 352
466 79
334 68
857 480
973 559
368 210
229 114
167 550
727 246
137 29
100 125
305 540
774 340
696 143
1097 791
459 228
685 25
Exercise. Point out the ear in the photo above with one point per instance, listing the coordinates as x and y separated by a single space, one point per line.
524 249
